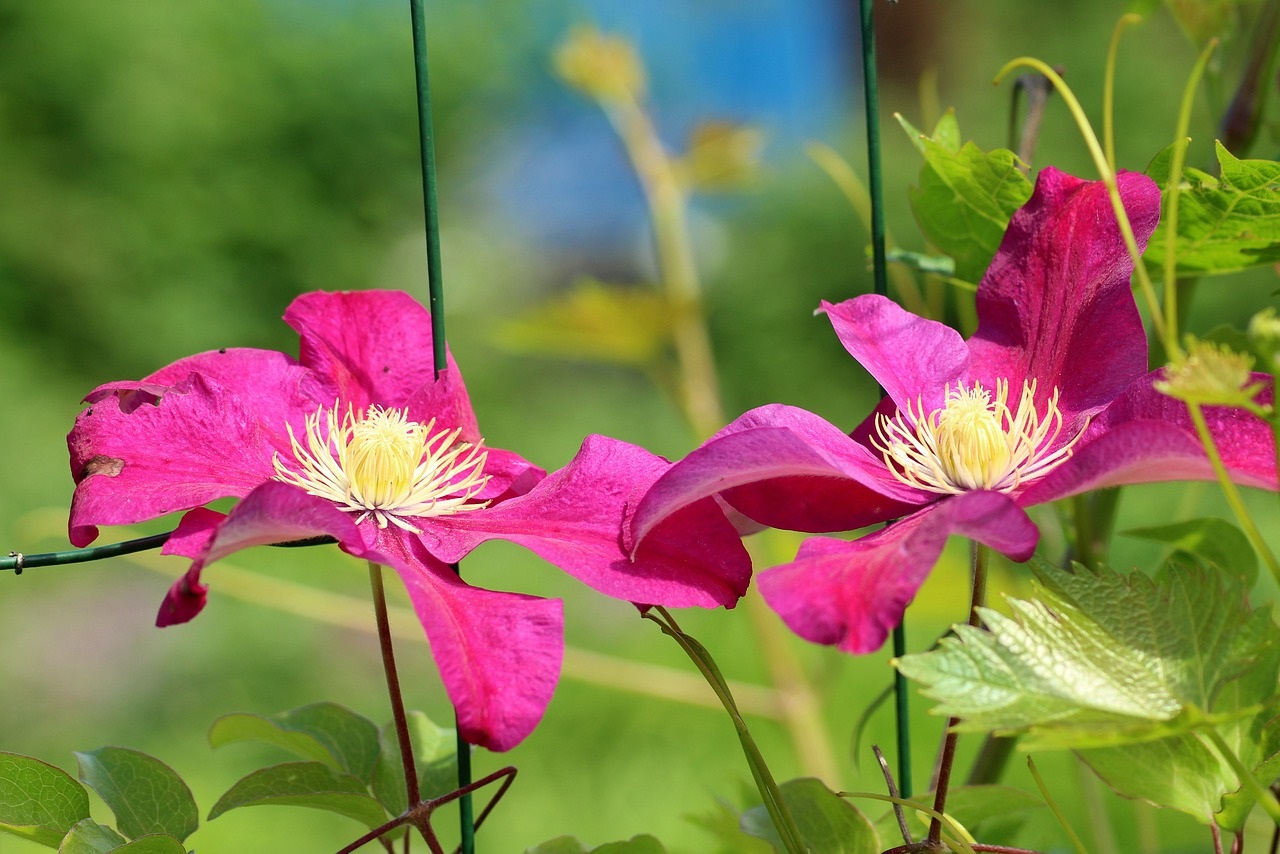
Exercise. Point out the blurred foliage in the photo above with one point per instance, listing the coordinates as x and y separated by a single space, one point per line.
173 174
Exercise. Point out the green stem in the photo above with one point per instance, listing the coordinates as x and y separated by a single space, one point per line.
1108 175
774 804
902 712
19 562
1109 89
426 147
1054 808
1230 492
1173 191
1264 796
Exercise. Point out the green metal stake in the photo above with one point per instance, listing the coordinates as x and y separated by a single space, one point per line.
879 271
435 290
426 140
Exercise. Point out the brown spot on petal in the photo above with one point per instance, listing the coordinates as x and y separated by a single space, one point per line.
110 466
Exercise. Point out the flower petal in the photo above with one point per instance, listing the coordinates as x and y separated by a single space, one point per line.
765 462
574 519
1056 304
1147 437
913 358
200 441
375 348
499 654
852 594
273 513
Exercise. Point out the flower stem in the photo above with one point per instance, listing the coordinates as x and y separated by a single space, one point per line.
774 804
393 689
1109 89
979 556
1230 492
19 562
393 684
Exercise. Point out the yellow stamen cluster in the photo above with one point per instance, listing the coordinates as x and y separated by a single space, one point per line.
385 467
974 441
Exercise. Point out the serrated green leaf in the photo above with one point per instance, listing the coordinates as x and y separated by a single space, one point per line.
89 837
146 795
1177 772
435 750
1215 541
827 822
643 844
1101 659
304 784
1224 225
322 732
597 322
964 202
38 801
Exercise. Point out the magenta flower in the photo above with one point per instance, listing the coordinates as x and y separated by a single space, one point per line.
356 440
1050 398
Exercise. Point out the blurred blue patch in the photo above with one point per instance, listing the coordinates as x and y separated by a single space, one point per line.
784 66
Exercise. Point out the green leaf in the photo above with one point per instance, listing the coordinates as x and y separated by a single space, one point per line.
304 784
643 844
1101 659
596 322
827 822
158 843
89 837
1215 541
966 197
435 750
146 795
322 732
946 132
721 821
38 801
1224 225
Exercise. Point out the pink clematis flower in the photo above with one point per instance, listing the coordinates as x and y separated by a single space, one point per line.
357 441
1051 397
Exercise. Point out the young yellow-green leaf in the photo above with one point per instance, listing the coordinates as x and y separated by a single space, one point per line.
827 822
38 801
596 322
435 750
964 202
1100 659
643 844
146 795
89 837
945 133
1214 541
1224 225
304 784
322 732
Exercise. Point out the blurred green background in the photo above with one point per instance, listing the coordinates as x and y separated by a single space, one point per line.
172 175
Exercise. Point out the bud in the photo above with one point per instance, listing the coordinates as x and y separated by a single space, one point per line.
721 156
1264 335
1210 374
604 67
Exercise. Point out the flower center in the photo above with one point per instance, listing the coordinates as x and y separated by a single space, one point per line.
974 441
386 467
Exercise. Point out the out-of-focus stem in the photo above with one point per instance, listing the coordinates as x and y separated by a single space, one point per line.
668 214
700 396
